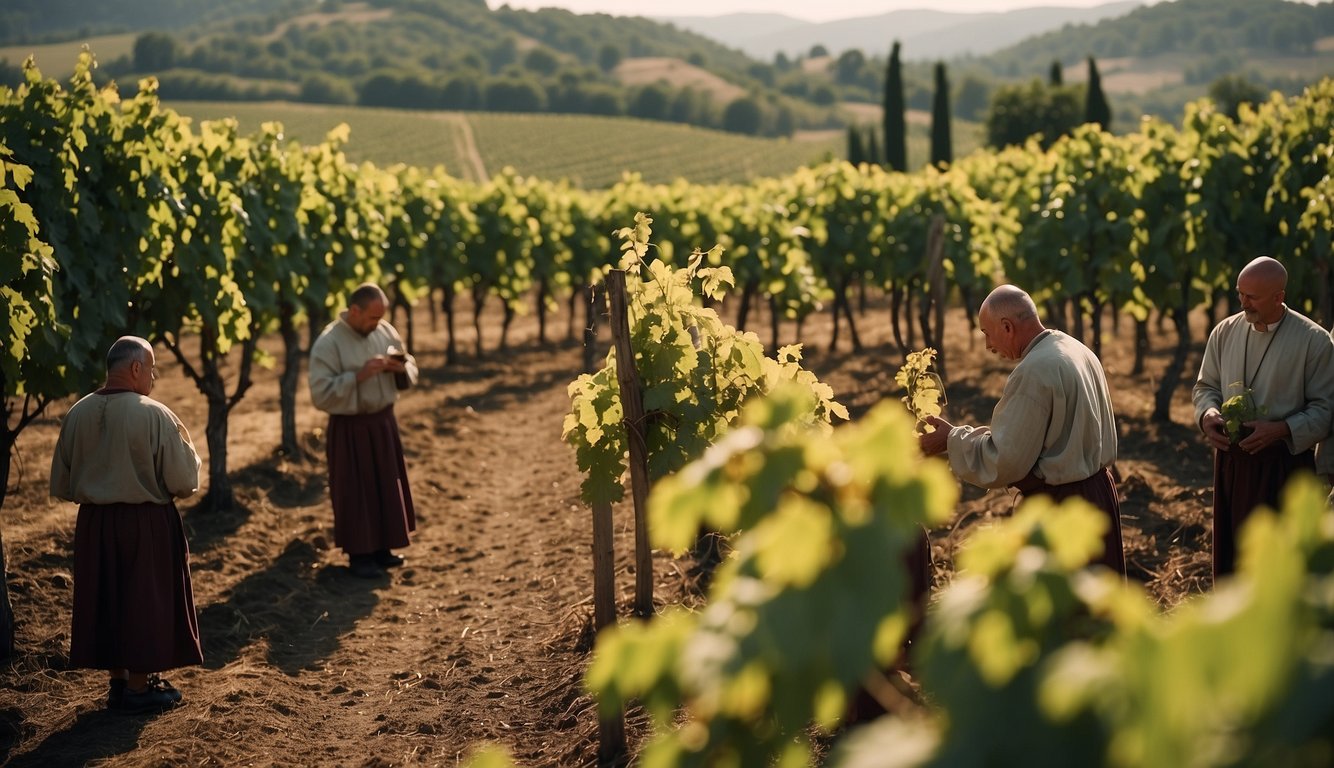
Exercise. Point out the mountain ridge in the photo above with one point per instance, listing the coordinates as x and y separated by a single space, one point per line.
945 34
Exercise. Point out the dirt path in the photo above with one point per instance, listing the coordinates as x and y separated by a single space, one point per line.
484 634
465 144
481 636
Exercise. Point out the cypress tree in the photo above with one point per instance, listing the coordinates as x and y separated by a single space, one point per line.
872 147
1096 109
895 123
856 155
942 150
1056 75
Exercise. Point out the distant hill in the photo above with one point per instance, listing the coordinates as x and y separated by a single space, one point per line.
52 20
424 54
1214 33
462 56
924 34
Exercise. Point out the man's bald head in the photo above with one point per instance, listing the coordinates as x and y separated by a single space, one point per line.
1010 301
1267 271
1009 320
131 365
1261 287
127 350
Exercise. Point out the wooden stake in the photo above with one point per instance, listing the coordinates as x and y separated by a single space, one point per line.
632 405
611 730
935 284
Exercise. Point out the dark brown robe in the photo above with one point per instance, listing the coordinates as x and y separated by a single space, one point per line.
134 607
1242 482
368 483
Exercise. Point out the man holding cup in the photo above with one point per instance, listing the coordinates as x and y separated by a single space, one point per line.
357 367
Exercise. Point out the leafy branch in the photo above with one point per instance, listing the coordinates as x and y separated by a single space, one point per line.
924 393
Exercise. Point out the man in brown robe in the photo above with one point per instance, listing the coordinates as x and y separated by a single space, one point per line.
1053 432
1286 362
357 366
124 457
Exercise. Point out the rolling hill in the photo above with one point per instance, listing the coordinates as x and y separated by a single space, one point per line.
924 34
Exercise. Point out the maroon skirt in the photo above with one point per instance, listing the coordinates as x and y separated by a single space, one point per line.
1099 489
134 607
368 483
1242 482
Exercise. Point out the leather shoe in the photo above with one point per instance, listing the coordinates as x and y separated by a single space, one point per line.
157 696
386 559
363 567
115 692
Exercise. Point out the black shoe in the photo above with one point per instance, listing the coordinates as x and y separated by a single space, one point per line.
115 692
386 559
157 696
363 567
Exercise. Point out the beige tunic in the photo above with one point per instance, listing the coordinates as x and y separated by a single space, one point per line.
1054 418
1290 369
335 358
125 448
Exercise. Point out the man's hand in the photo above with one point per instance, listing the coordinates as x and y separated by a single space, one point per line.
1211 423
1265 434
937 442
375 366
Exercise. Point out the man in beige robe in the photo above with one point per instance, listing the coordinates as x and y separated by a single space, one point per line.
1053 431
357 366
1286 361
124 458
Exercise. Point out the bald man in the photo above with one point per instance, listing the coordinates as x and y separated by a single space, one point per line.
1052 432
357 365
1287 361
125 458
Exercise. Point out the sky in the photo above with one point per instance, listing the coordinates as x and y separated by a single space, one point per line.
809 10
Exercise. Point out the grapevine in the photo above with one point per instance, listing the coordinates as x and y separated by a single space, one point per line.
1239 409
696 372
924 394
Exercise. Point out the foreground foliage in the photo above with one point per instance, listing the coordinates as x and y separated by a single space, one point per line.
812 600
1029 655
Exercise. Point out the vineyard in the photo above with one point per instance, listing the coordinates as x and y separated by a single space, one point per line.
546 146
226 248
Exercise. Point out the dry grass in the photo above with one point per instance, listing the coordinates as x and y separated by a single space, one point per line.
677 74
58 59
351 13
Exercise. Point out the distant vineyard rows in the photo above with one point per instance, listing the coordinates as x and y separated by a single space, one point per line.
590 152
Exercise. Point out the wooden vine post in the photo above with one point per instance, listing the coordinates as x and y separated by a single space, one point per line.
632 408
611 728
936 290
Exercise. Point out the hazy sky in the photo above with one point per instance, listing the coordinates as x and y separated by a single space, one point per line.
810 10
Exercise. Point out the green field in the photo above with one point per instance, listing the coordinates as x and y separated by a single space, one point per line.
590 152
593 152
57 59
